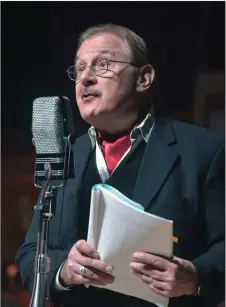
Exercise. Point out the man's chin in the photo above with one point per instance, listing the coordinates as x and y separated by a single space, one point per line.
95 117
91 116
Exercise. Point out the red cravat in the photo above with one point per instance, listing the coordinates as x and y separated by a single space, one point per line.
114 147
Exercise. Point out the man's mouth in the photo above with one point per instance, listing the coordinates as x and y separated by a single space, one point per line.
88 95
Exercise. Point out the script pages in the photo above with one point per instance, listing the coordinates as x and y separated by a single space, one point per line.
118 227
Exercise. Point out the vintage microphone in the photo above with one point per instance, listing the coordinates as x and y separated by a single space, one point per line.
53 136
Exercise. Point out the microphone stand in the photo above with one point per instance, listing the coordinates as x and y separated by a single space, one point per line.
46 209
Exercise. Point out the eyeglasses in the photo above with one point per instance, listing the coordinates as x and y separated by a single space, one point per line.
99 68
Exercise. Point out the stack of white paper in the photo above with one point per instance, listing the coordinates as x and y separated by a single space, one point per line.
117 228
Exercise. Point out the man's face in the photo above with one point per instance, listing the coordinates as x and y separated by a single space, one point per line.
99 97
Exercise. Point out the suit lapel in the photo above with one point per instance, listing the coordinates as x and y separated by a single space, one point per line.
81 152
159 158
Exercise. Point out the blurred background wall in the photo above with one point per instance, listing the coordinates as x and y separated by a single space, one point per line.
187 49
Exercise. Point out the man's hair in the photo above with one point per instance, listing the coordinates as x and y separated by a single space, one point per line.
136 47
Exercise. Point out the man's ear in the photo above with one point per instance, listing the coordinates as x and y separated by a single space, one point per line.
146 76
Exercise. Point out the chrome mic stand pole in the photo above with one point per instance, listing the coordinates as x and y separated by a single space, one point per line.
42 265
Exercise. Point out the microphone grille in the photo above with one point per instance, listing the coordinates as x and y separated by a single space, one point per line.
48 124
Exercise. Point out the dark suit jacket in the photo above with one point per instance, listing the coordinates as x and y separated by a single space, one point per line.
181 178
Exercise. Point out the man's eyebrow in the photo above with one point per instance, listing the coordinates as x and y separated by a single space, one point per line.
106 51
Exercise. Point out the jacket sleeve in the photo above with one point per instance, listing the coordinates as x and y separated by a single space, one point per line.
210 266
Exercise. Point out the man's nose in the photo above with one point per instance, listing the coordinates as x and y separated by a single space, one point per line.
87 76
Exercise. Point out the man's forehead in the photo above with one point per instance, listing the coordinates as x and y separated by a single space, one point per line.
101 44
97 52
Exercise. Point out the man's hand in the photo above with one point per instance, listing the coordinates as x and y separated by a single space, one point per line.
82 254
165 277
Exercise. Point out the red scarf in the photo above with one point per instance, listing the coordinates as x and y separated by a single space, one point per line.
114 146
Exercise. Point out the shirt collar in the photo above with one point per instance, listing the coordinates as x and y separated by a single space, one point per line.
144 128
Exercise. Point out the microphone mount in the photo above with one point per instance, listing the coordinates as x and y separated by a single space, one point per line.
51 172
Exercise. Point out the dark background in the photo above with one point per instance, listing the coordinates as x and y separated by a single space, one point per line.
39 42
38 45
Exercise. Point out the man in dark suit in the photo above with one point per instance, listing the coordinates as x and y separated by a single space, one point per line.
173 169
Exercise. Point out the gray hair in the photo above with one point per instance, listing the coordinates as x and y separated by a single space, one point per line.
138 52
